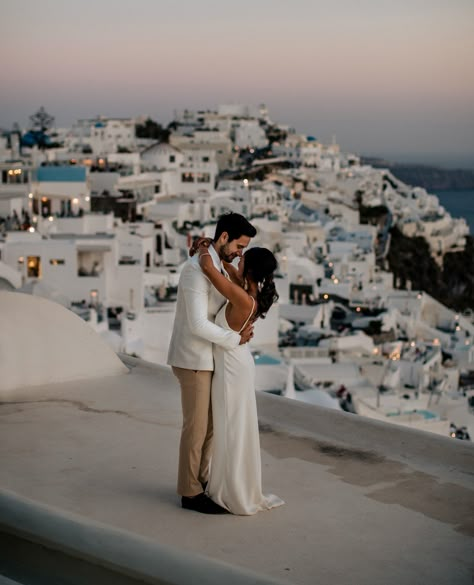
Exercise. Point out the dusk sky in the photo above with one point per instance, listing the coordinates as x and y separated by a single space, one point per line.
388 78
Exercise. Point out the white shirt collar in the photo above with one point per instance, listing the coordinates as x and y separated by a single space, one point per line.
215 257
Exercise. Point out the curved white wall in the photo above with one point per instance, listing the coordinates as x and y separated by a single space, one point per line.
41 342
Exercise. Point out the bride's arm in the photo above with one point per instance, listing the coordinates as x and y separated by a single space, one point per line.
231 291
232 272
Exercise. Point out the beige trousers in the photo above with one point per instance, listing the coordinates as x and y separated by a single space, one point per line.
196 434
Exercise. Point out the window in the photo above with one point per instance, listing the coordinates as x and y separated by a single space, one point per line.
57 261
89 263
205 159
14 176
187 177
172 158
34 266
203 178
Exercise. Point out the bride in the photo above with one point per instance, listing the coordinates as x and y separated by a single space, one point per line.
235 481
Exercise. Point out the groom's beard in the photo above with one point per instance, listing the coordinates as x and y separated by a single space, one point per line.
225 254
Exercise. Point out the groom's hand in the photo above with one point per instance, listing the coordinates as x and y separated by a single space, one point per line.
205 242
246 334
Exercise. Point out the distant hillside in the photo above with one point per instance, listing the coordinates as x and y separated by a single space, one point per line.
431 178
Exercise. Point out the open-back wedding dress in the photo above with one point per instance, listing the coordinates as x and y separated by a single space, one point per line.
235 481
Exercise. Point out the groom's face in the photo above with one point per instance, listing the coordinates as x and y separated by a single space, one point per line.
230 250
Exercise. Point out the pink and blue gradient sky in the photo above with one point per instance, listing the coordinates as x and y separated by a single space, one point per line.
387 77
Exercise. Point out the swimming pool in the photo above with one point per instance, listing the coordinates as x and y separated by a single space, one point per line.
263 359
426 414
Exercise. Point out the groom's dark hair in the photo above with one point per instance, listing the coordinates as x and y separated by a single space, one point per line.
235 225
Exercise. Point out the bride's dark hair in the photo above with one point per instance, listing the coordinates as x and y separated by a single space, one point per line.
260 264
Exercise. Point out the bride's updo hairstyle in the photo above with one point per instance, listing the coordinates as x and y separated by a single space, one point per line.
260 264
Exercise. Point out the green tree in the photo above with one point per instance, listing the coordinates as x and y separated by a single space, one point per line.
152 129
41 122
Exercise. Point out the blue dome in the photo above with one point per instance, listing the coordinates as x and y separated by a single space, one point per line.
310 138
35 137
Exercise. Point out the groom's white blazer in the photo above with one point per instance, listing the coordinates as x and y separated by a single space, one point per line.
194 330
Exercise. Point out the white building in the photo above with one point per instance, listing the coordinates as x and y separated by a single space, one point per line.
15 178
62 190
203 141
103 135
249 134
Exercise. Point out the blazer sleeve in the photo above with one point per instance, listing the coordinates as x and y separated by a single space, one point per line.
196 288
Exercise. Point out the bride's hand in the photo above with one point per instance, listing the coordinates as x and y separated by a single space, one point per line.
198 243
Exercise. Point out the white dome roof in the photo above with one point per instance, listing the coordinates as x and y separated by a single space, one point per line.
41 342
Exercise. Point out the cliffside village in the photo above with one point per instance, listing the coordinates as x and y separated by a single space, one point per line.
102 224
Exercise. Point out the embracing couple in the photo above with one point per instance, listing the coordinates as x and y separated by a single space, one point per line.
219 454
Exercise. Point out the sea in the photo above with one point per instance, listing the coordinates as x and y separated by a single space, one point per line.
458 204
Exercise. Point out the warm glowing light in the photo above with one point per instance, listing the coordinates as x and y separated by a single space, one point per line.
50 218
336 281
88 198
358 309
325 297
75 200
44 199
30 195
31 229
412 344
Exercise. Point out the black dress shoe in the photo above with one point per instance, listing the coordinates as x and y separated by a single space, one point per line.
203 504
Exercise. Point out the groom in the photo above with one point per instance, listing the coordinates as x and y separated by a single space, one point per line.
190 355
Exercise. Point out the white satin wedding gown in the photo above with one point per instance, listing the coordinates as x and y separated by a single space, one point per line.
235 481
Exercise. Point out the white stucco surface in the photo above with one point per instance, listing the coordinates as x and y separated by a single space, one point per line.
366 502
41 343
